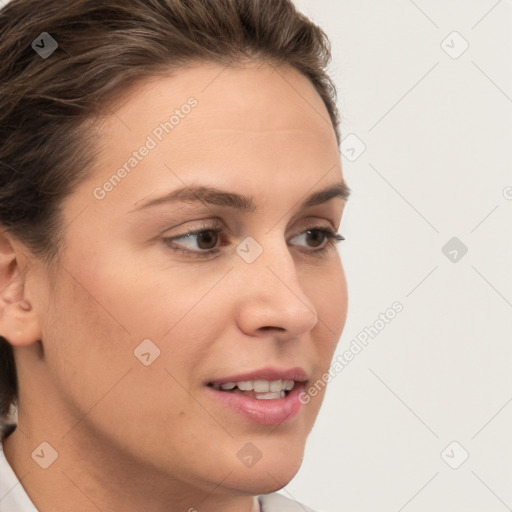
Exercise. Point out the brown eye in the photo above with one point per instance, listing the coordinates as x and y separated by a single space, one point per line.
207 239
316 236
202 242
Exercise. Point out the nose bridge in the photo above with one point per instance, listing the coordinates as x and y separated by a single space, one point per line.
273 295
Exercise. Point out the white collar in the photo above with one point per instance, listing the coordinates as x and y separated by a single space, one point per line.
13 497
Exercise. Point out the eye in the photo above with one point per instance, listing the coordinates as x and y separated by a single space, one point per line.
317 235
206 238
323 233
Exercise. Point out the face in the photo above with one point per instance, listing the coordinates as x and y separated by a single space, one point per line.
145 320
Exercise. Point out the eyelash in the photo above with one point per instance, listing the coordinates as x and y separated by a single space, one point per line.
332 239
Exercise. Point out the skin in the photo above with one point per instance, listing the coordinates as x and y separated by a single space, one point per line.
131 437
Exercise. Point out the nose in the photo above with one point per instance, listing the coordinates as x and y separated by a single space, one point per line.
270 295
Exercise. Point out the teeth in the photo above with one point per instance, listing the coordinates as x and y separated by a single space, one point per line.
228 385
262 386
276 385
270 396
289 385
258 386
246 385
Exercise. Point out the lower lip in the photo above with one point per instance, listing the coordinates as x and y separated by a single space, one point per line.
266 412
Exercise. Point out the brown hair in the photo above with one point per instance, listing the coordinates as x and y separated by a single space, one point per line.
46 146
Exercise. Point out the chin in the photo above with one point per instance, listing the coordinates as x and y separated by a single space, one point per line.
276 468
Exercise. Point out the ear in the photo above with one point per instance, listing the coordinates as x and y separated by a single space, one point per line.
19 324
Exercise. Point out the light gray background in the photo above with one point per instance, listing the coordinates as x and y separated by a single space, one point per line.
438 158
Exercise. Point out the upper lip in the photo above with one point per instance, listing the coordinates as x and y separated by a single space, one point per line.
270 374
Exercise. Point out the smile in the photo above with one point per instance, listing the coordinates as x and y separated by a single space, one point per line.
267 396
259 389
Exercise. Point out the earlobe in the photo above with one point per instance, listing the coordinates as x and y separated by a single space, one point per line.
19 323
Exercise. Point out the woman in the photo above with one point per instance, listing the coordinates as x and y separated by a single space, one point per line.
170 192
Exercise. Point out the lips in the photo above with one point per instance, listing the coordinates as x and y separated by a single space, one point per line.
267 396
269 374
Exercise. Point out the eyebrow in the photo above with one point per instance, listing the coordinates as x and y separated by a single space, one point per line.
218 197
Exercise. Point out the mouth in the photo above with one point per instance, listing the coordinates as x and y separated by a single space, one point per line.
258 389
267 397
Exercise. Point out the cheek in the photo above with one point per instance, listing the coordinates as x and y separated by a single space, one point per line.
339 305
86 350
328 293
103 387
330 298
102 327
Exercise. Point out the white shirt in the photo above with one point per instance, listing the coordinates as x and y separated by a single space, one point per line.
13 497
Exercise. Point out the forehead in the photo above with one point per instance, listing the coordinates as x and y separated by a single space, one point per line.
251 96
255 128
